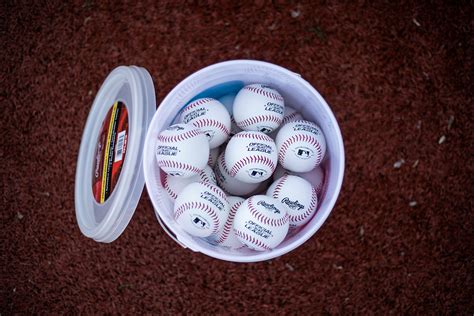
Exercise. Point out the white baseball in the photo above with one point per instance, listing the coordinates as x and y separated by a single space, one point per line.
213 154
226 236
182 150
258 107
291 115
201 209
261 222
228 101
251 156
211 117
174 185
230 184
298 196
301 146
315 176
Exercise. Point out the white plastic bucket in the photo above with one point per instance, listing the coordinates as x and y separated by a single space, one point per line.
213 81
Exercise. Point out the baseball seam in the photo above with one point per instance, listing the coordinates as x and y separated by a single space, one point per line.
221 161
179 137
199 206
203 176
259 119
215 190
205 122
261 91
287 119
252 240
254 136
178 165
196 103
168 189
278 186
228 224
309 211
265 219
265 161
296 138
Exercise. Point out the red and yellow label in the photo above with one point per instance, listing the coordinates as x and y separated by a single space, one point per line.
110 152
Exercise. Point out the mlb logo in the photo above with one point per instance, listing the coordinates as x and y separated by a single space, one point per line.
265 130
200 222
257 173
303 152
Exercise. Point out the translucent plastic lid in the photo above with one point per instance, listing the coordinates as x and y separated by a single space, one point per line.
109 176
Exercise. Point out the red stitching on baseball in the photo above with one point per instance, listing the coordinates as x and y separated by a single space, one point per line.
252 159
265 219
306 122
196 103
168 189
179 137
204 177
258 119
215 190
205 122
296 138
251 239
178 165
319 155
286 119
278 186
253 136
228 224
309 211
261 91
200 206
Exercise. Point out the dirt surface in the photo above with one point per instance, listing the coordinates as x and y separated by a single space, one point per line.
399 80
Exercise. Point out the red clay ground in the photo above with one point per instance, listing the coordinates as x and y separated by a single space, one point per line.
399 80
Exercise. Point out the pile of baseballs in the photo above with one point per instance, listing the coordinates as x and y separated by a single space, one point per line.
219 161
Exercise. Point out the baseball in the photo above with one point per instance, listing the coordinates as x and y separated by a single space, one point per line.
298 196
230 184
261 222
301 146
182 150
291 115
174 185
315 176
211 117
251 156
201 209
228 101
258 107
226 236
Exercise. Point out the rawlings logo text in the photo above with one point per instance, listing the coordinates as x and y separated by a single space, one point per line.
294 205
270 207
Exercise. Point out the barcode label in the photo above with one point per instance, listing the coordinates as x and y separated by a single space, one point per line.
119 146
